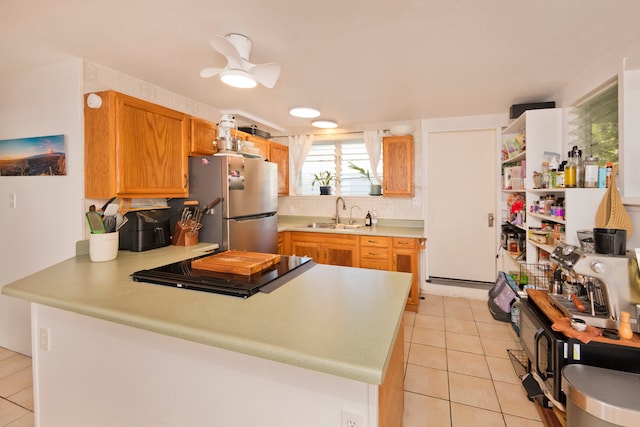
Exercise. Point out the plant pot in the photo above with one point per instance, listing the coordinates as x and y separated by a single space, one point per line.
325 190
376 190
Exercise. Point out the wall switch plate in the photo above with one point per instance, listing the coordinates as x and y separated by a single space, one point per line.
352 419
45 339
12 200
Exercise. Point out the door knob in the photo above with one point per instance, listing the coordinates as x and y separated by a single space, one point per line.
490 218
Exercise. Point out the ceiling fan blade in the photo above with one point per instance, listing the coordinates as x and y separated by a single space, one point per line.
226 48
266 74
210 72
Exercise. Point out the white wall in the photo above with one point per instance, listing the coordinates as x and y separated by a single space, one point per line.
47 221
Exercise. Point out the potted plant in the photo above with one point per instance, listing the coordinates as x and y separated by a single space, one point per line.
376 189
324 179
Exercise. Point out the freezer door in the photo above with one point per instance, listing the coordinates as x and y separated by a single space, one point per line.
254 234
251 187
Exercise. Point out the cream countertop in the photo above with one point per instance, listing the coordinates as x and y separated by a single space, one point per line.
335 320
397 228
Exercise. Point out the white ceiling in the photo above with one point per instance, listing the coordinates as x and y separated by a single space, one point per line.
358 61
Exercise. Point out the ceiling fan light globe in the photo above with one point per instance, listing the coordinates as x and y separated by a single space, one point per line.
238 78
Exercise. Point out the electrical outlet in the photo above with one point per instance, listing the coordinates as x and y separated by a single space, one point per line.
352 419
45 342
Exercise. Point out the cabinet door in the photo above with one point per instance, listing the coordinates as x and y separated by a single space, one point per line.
398 155
406 261
261 144
279 154
151 150
308 249
339 254
203 135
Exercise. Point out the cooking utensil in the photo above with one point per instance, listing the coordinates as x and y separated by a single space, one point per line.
95 222
212 205
110 223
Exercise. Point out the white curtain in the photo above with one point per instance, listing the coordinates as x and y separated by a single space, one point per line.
373 142
299 146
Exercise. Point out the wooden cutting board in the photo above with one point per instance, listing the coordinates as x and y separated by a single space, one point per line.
236 262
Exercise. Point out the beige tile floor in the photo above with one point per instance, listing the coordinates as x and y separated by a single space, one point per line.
458 373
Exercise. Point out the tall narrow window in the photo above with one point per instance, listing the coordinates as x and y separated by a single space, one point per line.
594 125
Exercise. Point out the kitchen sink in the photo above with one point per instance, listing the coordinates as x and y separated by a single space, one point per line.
331 225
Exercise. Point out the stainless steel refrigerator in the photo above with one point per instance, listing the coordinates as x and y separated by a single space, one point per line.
246 218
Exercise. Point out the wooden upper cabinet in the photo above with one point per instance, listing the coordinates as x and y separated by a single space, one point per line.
279 154
202 137
398 165
134 148
261 144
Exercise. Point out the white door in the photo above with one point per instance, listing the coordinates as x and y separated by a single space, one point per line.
461 205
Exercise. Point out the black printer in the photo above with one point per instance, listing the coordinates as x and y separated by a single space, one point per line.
146 229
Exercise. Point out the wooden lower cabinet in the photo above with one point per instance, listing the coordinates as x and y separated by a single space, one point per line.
391 391
405 257
375 252
334 249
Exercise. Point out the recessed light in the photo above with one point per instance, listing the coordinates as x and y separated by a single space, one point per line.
324 124
304 112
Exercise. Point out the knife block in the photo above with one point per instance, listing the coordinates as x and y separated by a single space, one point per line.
183 236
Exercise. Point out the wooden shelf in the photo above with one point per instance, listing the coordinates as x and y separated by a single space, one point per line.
544 247
518 157
547 218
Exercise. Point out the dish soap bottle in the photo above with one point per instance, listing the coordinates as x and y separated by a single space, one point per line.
624 329
367 219
374 218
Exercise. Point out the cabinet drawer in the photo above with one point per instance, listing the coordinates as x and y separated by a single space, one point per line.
373 252
404 242
377 242
375 264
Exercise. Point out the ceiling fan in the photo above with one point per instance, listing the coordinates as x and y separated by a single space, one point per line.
239 72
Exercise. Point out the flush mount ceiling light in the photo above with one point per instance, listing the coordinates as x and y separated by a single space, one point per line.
325 124
304 112
238 78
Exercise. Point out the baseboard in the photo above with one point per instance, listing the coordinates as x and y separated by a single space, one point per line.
460 291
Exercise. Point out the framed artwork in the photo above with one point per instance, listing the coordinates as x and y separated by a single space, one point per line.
37 156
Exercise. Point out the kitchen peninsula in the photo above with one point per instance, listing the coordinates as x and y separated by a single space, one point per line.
110 351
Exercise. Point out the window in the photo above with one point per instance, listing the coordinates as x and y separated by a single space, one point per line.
334 156
594 125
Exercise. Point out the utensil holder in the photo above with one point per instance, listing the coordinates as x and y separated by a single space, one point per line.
103 247
183 236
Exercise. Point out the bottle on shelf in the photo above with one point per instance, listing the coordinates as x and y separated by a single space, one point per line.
591 172
544 177
609 173
560 175
579 167
570 171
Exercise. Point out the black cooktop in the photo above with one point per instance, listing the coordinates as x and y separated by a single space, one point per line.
181 275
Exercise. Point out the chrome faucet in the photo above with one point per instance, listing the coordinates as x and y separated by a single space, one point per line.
351 221
344 208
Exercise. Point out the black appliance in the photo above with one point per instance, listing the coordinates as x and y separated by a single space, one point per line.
144 230
181 275
549 351
511 233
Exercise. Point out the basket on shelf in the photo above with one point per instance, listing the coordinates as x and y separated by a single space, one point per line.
537 276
